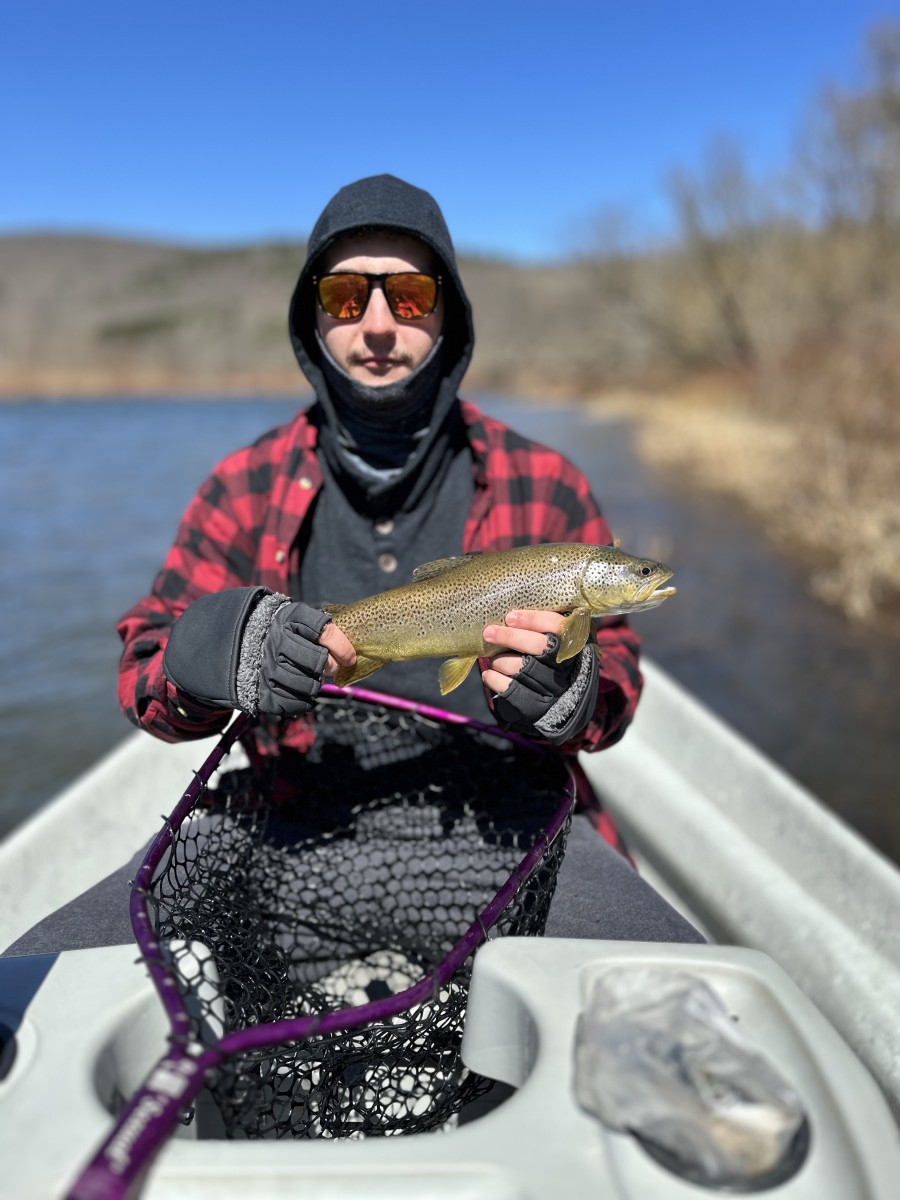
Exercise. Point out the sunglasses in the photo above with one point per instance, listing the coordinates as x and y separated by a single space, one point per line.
344 295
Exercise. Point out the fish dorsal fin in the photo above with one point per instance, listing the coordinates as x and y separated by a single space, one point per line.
439 567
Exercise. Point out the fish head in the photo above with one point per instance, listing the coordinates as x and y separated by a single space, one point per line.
615 582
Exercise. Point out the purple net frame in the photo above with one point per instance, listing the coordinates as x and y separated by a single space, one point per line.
153 1112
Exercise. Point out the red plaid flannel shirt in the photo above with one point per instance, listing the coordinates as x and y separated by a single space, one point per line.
241 529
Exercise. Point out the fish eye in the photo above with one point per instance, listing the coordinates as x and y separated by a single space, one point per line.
645 570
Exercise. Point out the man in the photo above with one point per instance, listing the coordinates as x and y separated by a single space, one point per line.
387 470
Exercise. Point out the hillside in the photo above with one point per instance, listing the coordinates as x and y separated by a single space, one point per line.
94 315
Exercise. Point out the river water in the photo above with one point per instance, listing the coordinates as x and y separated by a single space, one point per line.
91 493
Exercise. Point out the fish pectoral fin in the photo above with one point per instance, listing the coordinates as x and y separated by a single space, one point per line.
361 669
573 634
453 671
439 566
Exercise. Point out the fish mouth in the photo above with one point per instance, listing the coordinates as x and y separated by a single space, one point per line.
651 595
656 591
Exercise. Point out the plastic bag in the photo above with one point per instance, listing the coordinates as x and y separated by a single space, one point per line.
658 1055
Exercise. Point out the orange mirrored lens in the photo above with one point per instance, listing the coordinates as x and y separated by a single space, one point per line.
411 297
344 297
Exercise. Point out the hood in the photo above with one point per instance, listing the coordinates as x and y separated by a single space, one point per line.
382 202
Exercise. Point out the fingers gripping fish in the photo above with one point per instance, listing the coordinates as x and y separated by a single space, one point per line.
442 613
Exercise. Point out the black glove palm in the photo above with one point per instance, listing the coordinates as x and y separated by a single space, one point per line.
528 704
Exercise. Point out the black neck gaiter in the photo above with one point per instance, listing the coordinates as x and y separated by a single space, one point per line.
380 428
385 446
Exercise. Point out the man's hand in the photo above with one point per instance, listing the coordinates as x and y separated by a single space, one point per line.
533 693
340 651
525 632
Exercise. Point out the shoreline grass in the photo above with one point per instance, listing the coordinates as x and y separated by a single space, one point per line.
821 494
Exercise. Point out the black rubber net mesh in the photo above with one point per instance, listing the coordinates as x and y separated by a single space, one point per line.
344 876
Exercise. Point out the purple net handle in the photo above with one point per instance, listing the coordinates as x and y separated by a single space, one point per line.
426 710
145 1123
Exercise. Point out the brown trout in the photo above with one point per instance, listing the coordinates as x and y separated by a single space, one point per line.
443 611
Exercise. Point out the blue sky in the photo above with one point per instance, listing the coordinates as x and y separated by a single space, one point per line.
224 122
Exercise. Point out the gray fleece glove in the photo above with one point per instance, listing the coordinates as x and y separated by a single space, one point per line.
281 665
550 700
248 648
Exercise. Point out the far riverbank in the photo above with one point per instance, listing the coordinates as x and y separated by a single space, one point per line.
824 495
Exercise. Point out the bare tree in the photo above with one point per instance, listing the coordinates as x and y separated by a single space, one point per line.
849 165
719 228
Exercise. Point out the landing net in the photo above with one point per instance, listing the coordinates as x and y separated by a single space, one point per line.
342 878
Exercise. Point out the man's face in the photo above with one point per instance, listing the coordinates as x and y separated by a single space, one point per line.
379 348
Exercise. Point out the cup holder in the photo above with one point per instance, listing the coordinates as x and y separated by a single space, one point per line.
130 1051
786 1168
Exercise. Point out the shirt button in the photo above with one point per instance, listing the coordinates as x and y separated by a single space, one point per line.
384 527
387 562
280 555
305 482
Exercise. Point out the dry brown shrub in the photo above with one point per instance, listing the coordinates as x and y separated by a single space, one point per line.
815 455
847 416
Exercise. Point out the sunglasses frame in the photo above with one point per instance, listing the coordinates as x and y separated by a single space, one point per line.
379 280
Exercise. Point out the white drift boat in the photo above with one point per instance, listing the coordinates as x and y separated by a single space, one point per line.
801 913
